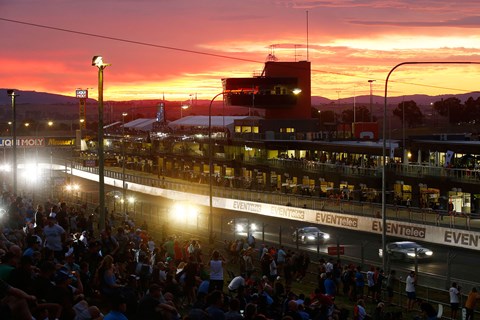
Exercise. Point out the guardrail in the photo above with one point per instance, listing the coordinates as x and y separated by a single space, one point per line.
371 209
157 215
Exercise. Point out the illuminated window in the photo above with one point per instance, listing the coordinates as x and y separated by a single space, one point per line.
255 129
238 129
287 130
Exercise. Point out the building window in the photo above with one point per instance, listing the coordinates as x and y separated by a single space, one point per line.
246 129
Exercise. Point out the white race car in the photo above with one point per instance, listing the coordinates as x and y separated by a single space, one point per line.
242 225
309 235
405 250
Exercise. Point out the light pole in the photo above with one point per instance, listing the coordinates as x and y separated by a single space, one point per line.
183 107
12 94
371 100
124 186
131 200
97 61
210 166
49 123
384 147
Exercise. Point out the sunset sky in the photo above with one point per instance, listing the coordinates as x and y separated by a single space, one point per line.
181 47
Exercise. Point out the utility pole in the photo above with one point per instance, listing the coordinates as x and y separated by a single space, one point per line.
371 100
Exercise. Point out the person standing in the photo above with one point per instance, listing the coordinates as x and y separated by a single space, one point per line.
359 283
359 311
371 283
471 303
391 283
410 284
273 273
454 292
40 218
62 216
54 238
216 272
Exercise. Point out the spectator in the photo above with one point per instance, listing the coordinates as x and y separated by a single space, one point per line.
390 285
16 303
379 313
292 310
233 312
215 305
454 293
105 278
359 312
371 283
119 307
216 271
237 282
359 283
428 311
329 284
151 306
471 303
54 238
410 284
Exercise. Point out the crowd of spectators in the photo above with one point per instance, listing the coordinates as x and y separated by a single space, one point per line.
56 264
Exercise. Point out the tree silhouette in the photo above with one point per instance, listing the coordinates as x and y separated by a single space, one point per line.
451 108
472 109
409 111
362 114
327 116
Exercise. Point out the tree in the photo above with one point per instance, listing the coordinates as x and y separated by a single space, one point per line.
451 108
327 116
362 114
472 109
409 111
347 116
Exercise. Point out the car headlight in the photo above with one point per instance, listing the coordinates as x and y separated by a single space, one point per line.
253 227
326 236
239 228
310 237
429 253
411 254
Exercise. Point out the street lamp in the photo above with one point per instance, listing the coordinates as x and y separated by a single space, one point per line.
183 107
384 146
210 166
12 94
371 100
124 186
97 61
131 200
80 126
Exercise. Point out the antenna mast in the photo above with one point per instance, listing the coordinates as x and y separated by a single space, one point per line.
307 34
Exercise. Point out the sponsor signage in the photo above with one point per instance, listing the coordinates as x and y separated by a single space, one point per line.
81 93
56 142
400 229
334 251
90 163
334 219
24 142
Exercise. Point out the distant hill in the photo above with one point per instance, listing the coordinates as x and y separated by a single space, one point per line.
45 98
420 99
